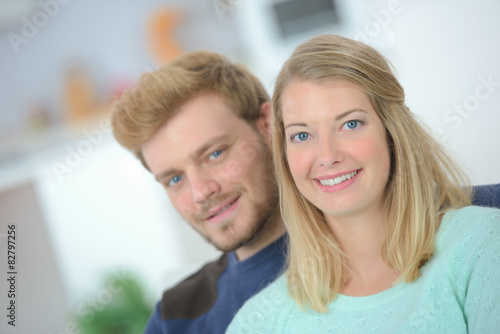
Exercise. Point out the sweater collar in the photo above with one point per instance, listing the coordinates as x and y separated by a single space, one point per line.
275 249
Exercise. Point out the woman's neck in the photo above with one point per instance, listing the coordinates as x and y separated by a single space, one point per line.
360 237
359 234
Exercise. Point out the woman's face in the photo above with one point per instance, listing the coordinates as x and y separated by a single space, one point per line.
336 147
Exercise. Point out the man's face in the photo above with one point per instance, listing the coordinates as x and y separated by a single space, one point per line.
215 169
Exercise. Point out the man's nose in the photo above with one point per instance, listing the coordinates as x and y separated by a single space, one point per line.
203 187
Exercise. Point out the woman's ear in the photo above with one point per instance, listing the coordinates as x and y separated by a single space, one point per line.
264 121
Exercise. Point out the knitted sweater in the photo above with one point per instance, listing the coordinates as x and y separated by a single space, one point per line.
458 291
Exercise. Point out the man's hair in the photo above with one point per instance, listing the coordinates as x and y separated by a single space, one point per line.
142 110
423 184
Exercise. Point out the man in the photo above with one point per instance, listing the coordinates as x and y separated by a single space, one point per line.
200 125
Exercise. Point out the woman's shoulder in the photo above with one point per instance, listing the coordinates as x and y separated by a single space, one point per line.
468 256
275 293
470 219
473 210
264 312
469 229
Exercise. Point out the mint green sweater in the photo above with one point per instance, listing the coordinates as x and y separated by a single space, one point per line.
458 291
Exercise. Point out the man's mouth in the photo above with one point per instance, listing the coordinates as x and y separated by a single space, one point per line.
221 208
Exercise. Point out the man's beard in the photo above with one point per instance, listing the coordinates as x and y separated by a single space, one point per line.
263 213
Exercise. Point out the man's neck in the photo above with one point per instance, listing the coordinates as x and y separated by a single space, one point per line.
272 231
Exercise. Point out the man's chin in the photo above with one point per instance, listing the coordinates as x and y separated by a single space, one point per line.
226 247
244 240
228 236
229 246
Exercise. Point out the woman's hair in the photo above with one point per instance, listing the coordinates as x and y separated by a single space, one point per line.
423 183
142 110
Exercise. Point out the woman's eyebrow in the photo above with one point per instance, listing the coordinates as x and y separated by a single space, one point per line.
338 117
345 113
295 124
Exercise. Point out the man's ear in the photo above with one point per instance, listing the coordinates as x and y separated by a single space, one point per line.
264 121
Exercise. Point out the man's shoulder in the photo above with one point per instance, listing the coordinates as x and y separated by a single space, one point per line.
487 195
196 294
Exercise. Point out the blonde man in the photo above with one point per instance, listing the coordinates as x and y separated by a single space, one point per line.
200 125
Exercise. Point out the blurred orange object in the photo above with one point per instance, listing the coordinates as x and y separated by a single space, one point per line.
160 37
80 96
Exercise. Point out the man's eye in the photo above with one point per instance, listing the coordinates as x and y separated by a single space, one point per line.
215 155
301 136
174 180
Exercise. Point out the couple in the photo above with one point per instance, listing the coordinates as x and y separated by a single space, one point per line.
381 237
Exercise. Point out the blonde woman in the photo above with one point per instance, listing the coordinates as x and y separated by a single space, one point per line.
382 235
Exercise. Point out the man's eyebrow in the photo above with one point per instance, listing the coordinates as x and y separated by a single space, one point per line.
164 174
338 117
206 146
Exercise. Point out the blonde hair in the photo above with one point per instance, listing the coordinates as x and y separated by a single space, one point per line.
423 184
142 110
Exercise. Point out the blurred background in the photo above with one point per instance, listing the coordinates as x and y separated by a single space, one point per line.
97 240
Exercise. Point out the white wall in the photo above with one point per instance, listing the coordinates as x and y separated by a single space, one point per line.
444 51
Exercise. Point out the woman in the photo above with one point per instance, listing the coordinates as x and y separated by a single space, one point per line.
382 235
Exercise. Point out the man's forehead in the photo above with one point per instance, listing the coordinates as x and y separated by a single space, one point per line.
187 140
167 151
196 125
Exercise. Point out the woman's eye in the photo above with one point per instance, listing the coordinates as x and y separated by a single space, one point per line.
215 155
174 180
301 136
351 125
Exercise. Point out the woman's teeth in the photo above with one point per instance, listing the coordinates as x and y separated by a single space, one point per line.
337 180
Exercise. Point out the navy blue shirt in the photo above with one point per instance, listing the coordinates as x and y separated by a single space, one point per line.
207 301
